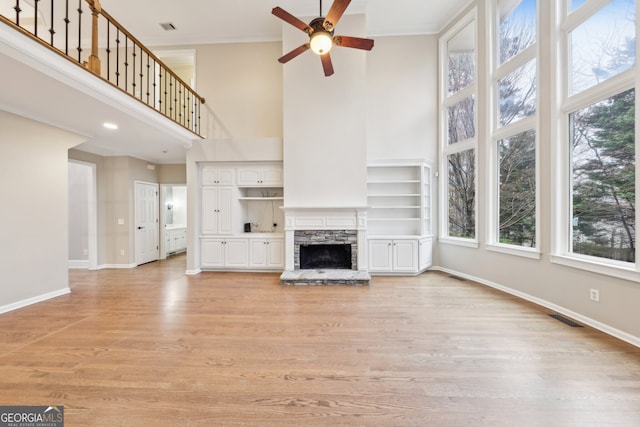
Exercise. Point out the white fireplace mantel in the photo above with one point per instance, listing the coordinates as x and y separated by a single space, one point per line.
325 218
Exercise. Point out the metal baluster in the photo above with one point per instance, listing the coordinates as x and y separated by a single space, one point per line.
141 74
160 89
18 10
52 31
190 114
180 114
80 31
155 91
171 100
118 56
35 19
148 78
126 62
133 71
66 28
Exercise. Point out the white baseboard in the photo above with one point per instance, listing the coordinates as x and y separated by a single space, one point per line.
30 301
609 330
78 264
193 272
115 266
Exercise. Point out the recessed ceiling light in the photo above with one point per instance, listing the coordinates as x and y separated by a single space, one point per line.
111 126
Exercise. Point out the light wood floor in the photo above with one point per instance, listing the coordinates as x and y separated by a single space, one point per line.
153 347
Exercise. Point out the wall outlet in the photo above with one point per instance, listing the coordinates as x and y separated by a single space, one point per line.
594 295
85 252
121 252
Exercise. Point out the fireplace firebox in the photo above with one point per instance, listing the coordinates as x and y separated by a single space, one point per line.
334 256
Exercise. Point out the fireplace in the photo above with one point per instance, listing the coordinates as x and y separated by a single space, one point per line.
325 246
325 256
336 249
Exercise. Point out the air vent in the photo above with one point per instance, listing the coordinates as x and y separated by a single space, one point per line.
566 321
168 26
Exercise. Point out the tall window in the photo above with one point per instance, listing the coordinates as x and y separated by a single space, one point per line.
458 138
514 131
599 127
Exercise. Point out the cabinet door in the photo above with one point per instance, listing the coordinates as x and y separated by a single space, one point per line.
405 255
217 215
249 176
215 175
209 210
380 255
275 253
225 176
258 253
272 176
425 254
225 211
236 252
212 253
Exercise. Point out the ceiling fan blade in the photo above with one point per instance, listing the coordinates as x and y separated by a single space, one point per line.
289 18
295 52
335 13
354 42
327 65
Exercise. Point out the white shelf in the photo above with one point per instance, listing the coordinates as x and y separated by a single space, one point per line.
399 199
394 207
394 195
409 181
260 199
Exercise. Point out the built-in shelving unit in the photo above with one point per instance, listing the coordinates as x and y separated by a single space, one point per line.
241 220
399 219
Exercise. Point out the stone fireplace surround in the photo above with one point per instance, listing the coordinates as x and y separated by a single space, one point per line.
311 225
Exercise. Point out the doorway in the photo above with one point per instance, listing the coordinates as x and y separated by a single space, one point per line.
83 215
173 219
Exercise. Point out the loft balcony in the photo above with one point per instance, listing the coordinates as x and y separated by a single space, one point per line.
72 65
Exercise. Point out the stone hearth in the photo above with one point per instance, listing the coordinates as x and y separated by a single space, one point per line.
329 227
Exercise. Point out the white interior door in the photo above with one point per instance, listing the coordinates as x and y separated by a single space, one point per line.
147 222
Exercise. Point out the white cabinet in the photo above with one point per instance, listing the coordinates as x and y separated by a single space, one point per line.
260 176
239 196
217 212
391 256
224 253
399 220
266 253
175 240
425 253
217 175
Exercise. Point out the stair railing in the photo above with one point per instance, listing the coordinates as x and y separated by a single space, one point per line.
83 32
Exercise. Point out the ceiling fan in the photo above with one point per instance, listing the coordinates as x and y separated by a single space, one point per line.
321 38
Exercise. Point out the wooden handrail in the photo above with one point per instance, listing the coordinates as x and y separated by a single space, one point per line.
146 77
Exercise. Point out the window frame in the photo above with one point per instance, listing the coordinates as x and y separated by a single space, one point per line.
562 194
496 132
446 149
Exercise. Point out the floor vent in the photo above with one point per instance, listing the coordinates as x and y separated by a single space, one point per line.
457 278
566 321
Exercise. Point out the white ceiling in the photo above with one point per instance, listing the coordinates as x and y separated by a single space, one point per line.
220 21
53 97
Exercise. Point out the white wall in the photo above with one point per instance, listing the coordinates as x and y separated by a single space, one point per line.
325 123
402 98
34 188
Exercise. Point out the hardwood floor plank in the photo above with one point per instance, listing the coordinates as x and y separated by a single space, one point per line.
153 347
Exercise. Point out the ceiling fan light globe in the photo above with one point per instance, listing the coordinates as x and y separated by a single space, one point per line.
321 42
